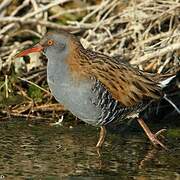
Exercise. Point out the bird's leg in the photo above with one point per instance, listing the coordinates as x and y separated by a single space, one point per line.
153 137
102 136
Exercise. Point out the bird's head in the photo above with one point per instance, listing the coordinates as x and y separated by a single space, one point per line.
52 44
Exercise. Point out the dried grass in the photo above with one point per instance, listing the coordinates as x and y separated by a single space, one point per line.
146 33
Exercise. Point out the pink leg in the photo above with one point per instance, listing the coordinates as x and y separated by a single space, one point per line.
153 137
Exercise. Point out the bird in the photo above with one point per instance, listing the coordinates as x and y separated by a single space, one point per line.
96 88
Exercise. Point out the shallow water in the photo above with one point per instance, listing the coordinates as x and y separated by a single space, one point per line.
38 151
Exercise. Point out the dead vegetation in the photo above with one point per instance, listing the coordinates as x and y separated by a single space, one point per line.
146 33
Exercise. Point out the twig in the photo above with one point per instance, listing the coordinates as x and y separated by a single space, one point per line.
45 8
104 3
23 5
71 11
49 107
26 116
159 52
35 22
4 4
23 79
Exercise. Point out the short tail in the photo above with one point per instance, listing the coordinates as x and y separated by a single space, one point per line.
171 89
169 105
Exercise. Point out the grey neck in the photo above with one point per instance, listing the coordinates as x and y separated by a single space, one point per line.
57 66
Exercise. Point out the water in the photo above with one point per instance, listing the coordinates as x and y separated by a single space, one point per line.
37 151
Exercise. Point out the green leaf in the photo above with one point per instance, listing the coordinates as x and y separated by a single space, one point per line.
35 93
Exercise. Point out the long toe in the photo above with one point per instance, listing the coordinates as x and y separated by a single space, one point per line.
155 141
159 133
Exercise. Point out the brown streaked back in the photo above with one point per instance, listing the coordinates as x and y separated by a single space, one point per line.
127 85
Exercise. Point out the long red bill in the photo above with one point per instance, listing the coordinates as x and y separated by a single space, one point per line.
36 48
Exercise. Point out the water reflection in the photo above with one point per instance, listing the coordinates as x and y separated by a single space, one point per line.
37 151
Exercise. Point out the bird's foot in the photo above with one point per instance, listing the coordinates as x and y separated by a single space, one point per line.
59 122
159 133
154 139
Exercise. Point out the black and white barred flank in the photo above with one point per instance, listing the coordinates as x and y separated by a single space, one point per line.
111 109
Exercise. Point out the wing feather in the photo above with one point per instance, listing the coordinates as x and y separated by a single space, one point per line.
127 85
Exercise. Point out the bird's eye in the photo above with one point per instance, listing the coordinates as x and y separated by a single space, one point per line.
50 42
